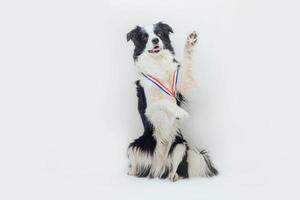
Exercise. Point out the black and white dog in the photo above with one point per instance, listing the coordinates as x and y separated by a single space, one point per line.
162 151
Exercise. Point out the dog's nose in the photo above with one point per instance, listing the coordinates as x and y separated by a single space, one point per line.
155 40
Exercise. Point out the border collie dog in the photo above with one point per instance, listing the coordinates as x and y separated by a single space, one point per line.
162 151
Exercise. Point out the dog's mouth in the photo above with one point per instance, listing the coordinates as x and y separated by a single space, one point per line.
155 49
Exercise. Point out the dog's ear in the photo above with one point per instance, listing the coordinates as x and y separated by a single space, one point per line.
133 33
165 27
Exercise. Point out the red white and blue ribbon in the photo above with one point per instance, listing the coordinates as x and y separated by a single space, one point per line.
170 92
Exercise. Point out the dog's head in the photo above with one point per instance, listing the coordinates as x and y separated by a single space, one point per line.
152 39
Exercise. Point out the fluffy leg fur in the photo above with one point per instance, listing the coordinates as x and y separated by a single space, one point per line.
161 164
176 157
199 164
186 80
140 162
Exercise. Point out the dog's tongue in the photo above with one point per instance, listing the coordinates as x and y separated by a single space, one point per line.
155 49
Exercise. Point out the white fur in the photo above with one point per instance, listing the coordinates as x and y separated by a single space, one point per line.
197 164
161 160
139 160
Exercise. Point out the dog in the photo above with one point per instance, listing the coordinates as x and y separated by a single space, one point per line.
161 89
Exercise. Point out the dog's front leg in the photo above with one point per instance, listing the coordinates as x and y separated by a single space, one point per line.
177 157
186 80
169 108
163 114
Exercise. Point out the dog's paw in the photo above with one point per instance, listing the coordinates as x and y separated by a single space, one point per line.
182 114
131 172
191 39
173 177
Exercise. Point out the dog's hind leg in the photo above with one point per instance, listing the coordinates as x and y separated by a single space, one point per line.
140 153
140 162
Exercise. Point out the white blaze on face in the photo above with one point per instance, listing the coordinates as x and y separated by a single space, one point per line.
151 35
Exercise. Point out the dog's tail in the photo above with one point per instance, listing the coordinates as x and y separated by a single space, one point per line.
199 164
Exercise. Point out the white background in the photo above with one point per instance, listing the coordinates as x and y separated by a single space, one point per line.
68 102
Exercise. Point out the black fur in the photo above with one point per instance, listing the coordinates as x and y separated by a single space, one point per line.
142 105
139 38
182 169
165 174
146 142
178 140
163 31
180 99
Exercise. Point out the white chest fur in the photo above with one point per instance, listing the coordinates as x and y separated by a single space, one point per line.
161 67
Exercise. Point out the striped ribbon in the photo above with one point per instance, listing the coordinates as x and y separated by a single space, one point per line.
170 92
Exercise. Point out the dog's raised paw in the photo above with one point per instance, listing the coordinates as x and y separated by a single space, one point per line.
192 39
182 114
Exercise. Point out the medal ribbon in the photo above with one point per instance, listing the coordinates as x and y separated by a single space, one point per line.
170 92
